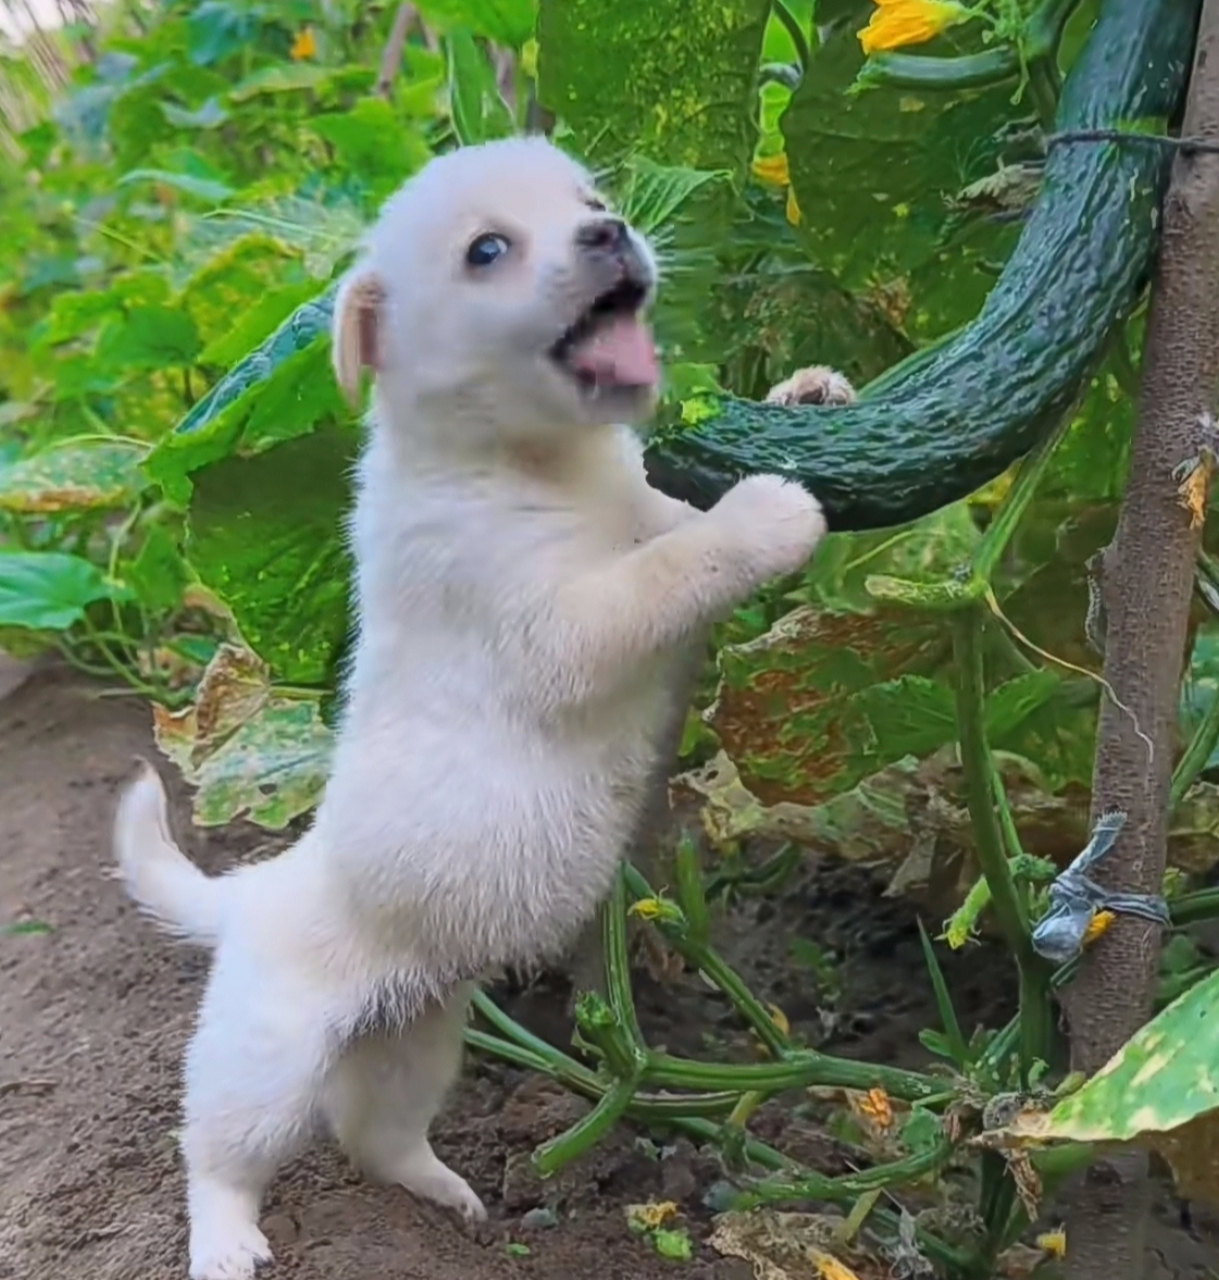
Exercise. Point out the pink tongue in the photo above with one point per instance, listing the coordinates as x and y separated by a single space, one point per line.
620 352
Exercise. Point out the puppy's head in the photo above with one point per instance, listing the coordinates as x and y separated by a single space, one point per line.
498 293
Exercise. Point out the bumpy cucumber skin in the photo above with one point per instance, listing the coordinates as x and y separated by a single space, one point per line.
993 392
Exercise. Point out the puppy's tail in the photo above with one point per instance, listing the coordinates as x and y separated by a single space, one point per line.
158 875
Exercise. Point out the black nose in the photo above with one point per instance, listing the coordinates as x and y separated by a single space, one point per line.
605 235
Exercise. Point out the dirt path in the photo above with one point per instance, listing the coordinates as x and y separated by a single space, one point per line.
94 1014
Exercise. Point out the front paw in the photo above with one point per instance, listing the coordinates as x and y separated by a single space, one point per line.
774 523
815 384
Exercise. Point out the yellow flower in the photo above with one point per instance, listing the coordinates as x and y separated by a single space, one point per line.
793 209
773 169
1054 1242
655 909
650 1216
1100 923
897 23
304 46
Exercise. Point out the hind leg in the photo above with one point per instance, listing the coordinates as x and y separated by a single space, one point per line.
254 1072
383 1094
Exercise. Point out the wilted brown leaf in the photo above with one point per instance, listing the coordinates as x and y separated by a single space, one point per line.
793 1246
783 709
249 750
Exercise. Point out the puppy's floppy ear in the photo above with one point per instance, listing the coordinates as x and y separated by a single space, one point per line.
356 332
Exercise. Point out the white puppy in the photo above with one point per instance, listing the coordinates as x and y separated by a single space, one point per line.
522 593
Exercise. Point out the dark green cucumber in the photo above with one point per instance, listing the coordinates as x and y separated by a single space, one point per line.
947 423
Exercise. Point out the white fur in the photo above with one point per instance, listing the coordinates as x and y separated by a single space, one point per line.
522 595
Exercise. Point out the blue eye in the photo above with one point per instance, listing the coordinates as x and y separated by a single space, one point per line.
484 250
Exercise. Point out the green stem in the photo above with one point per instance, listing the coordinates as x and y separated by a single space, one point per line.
677 934
551 1156
618 965
1045 27
797 1071
766 1157
600 1028
850 1185
650 1108
1192 907
980 779
979 773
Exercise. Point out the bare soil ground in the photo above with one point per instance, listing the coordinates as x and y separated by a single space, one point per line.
94 1014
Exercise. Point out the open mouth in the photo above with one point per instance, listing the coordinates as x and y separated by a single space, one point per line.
610 346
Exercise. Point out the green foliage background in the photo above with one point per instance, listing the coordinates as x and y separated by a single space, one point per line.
175 456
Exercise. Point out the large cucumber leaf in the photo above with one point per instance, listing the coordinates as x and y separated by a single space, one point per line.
508 22
213 429
675 82
265 533
878 177
1161 1089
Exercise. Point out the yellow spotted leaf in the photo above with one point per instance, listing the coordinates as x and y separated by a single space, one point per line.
1161 1090
89 473
249 750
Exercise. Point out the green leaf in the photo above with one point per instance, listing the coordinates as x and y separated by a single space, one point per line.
148 338
479 113
649 195
74 475
74 314
909 716
158 575
217 29
958 1050
299 395
266 534
1166 1075
1009 705
372 142
201 188
287 77
508 22
673 1244
211 115
256 322
213 427
1161 1089
673 81
48 590
875 175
